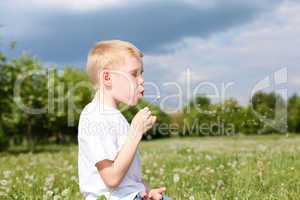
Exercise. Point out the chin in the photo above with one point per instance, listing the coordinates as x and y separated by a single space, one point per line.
132 103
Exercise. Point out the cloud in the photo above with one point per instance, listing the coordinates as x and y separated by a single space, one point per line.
67 5
242 55
55 35
93 5
294 78
220 41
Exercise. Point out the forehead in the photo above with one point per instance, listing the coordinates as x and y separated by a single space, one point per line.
131 63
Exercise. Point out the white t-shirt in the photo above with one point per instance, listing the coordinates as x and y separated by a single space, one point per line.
102 131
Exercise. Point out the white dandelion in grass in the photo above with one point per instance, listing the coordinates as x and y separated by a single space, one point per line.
65 192
191 198
56 197
7 173
176 178
3 182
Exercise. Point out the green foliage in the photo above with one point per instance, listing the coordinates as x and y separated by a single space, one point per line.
4 142
294 113
265 106
102 197
203 118
70 92
265 103
49 102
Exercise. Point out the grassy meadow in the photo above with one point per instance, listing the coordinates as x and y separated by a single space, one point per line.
237 167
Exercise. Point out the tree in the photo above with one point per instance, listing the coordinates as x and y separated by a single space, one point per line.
265 106
30 97
71 92
294 113
4 142
231 117
197 116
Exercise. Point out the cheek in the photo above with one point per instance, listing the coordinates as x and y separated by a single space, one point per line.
123 88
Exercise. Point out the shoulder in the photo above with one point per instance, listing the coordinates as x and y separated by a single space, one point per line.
96 120
96 113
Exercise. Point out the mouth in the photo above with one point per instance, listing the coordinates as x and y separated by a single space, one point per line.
142 92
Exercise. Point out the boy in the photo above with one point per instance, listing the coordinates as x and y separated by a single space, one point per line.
108 154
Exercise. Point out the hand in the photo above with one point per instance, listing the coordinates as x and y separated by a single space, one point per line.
144 195
156 194
142 121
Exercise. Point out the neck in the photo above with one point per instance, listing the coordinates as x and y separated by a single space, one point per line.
105 98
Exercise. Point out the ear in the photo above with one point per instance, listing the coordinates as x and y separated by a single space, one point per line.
106 77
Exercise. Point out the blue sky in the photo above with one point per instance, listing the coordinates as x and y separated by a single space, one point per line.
220 41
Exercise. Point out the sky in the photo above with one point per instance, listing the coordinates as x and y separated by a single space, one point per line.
192 47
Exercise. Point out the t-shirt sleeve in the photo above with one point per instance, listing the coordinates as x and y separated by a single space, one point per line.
97 140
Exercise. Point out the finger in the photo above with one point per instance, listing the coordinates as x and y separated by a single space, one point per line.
143 110
153 119
150 121
146 116
148 113
150 195
144 195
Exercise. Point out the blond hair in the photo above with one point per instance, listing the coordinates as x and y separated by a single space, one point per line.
109 54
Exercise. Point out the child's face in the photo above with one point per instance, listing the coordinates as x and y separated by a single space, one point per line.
128 81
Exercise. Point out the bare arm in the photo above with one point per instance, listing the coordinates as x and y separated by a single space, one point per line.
112 172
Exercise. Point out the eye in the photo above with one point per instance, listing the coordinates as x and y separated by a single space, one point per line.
134 74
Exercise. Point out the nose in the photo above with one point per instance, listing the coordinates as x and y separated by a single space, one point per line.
141 80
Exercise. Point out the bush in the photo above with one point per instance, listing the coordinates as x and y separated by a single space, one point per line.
4 142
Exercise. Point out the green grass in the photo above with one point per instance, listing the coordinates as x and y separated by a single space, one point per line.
237 167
